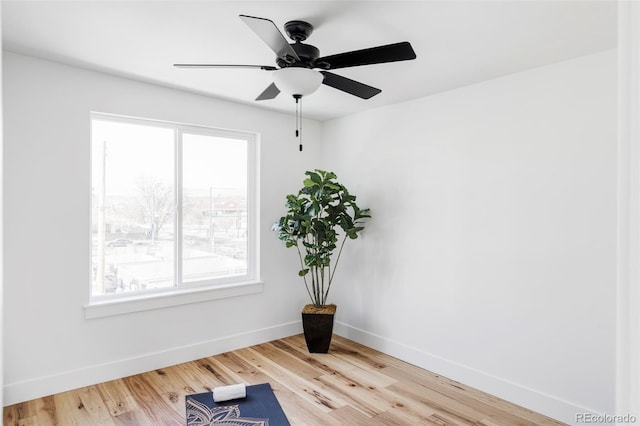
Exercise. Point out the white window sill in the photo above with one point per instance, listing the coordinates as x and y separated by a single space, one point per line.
126 305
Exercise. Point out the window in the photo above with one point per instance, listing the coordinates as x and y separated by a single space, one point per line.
173 207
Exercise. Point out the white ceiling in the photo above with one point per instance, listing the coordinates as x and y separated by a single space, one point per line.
457 43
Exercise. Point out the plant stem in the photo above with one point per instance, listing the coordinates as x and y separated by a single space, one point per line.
324 297
318 298
335 265
304 277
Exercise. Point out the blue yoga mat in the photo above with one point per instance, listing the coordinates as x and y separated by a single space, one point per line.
259 408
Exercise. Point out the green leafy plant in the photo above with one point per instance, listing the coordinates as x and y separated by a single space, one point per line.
314 219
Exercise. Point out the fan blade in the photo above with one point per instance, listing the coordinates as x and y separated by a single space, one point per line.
262 67
269 33
269 93
350 86
373 55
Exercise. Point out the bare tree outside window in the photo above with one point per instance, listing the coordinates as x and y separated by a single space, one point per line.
156 203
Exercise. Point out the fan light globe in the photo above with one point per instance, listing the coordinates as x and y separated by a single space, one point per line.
297 81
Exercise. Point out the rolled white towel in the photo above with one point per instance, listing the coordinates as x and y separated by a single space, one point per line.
225 393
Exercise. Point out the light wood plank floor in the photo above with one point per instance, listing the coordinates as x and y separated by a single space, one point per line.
352 385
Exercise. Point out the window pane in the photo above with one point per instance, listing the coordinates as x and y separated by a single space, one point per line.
133 207
214 207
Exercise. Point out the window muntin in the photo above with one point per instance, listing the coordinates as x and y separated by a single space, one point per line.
171 206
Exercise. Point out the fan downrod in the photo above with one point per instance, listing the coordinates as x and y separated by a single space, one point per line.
298 30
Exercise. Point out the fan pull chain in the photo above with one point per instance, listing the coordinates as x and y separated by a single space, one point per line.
298 99
300 124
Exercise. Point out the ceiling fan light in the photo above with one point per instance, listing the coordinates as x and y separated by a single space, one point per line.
297 81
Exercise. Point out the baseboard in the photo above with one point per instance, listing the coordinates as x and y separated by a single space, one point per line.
540 402
73 379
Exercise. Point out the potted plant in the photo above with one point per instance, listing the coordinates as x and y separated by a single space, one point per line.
319 220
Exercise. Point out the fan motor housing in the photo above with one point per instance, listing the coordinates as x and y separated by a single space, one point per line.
306 52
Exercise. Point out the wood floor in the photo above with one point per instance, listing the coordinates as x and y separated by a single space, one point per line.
352 385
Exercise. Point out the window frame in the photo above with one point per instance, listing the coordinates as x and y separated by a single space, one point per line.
185 291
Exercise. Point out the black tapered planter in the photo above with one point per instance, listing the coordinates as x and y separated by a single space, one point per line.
317 324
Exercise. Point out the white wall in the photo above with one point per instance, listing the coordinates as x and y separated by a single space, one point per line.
1 225
49 345
491 255
628 359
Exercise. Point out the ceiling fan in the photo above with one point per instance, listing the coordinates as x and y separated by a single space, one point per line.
298 63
